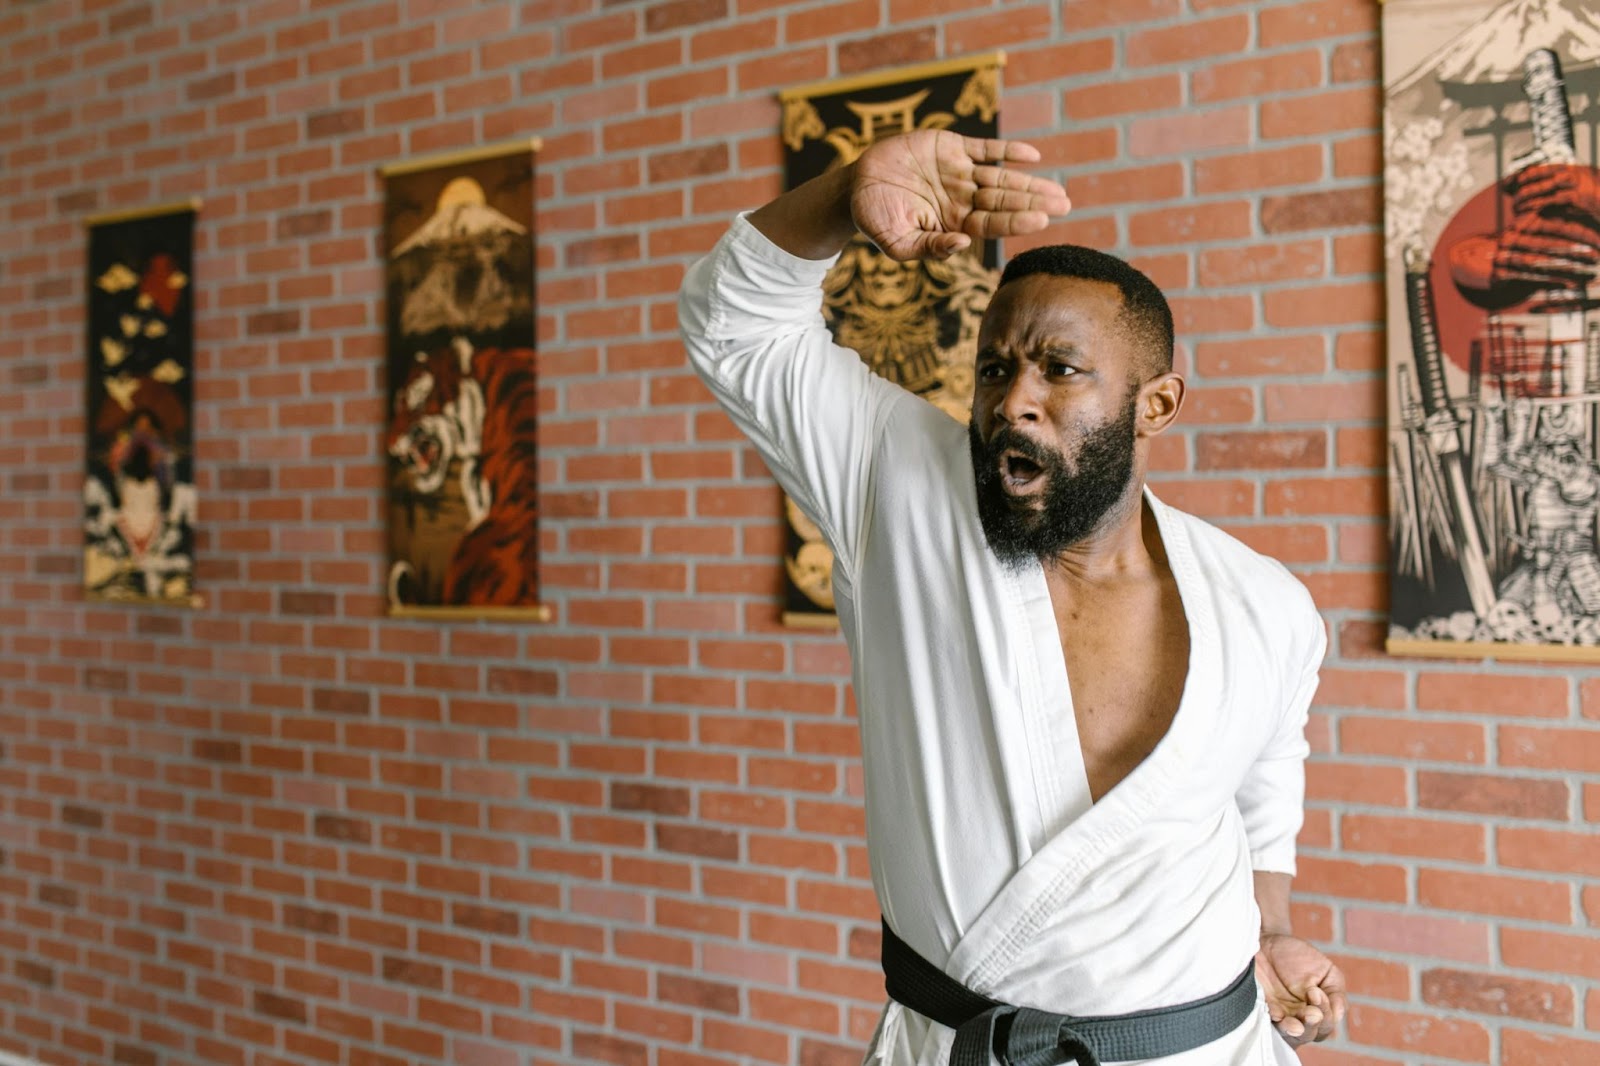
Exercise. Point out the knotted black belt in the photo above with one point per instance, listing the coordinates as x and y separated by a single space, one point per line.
1022 1036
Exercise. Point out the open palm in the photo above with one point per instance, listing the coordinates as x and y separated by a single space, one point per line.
928 195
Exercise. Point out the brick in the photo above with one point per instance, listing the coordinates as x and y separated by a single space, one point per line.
1312 20
1550 952
1338 402
1156 93
694 840
1195 39
1292 261
1322 496
285 1008
1428 1034
1370 785
1332 209
1326 113
678 14
1376 978
1550 749
1261 451
1383 883
742 36
894 49
1520 1048
1184 225
1268 169
1026 66
745 1041
1371 690
1461 742
1493 695
1018 25
1504 796
1324 305
1419 837
1548 849
1079 15
615 1050
1498 995
1262 76
1188 134
695 992
1249 358
835 19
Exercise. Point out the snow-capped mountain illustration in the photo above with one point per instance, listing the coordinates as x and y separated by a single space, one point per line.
1492 50
458 222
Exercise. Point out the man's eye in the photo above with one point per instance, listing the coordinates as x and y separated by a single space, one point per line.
1060 369
991 372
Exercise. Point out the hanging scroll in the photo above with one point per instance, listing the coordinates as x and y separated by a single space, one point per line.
1492 244
463 529
915 323
139 494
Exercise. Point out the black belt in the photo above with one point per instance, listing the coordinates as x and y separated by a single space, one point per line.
1022 1036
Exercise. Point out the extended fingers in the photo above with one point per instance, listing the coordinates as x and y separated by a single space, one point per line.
1017 200
991 224
1042 194
994 150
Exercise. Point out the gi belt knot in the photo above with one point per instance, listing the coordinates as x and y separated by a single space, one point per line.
1027 1036
1021 1036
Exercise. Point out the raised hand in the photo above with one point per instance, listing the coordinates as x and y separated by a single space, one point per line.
929 194
1304 990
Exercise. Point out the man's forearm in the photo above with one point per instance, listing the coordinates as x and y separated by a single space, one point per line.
812 221
1272 899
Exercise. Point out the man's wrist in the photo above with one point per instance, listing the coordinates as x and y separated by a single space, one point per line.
813 221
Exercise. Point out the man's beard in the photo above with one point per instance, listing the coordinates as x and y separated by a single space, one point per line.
1076 496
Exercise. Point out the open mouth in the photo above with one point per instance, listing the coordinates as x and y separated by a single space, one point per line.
425 453
1019 475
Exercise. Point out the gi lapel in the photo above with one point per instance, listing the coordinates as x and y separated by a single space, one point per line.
1013 918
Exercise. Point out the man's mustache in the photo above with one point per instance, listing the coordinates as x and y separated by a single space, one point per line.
1007 439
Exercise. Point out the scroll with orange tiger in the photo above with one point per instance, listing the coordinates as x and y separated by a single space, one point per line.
463 510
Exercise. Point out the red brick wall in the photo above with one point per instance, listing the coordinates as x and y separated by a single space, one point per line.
284 830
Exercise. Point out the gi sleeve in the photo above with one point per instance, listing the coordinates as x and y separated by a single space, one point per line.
1272 796
751 318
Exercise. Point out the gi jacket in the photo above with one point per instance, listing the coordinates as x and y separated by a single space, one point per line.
987 853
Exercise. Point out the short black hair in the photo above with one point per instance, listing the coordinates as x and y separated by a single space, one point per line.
1144 308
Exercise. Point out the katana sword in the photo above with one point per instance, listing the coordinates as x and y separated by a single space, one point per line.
1443 431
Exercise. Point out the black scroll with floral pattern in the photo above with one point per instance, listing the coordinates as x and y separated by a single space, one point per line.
915 324
139 494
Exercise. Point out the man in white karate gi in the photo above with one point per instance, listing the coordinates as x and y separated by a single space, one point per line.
1082 712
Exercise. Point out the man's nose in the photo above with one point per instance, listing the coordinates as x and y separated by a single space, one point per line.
1023 400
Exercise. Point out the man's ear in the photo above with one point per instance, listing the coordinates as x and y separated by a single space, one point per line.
1160 399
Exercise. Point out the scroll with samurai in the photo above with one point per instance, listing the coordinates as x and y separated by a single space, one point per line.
916 323
463 530
139 494
1493 242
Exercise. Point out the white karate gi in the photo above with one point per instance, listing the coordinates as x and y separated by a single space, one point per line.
988 855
